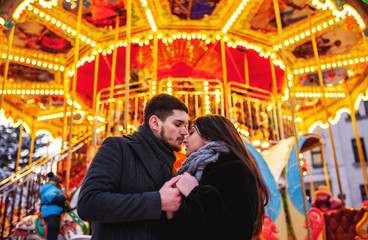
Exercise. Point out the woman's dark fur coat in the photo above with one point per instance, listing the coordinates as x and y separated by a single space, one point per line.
222 206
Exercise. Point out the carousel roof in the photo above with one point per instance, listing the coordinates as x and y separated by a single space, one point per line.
41 57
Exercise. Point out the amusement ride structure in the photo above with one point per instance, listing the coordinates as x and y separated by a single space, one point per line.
82 70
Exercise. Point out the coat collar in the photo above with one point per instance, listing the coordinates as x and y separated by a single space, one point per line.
153 154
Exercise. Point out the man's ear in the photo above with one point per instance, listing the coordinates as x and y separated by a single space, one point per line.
154 123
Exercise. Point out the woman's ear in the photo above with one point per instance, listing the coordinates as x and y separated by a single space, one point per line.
154 123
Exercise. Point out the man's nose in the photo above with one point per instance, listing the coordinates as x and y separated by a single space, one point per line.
184 131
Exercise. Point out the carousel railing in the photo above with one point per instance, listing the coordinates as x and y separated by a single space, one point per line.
202 96
19 193
254 109
110 109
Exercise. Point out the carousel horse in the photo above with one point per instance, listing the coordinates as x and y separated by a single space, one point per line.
274 224
72 227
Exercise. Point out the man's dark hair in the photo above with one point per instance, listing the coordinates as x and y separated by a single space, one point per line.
162 105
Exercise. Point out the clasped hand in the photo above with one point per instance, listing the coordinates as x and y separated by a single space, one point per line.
172 191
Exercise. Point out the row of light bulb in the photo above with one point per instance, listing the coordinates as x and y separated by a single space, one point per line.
325 66
318 95
33 62
26 5
32 92
58 115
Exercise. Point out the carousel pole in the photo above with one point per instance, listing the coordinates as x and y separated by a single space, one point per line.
76 57
324 103
155 57
95 80
19 147
357 139
309 168
364 39
6 68
291 101
246 72
33 137
277 120
224 74
112 82
65 119
155 62
323 157
127 61
324 162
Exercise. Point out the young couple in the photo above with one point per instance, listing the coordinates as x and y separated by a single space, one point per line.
131 192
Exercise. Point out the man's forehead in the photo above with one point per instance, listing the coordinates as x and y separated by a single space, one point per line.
178 115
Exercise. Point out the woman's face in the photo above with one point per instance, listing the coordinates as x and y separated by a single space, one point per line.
193 141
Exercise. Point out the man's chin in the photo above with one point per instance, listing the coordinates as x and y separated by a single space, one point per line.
176 148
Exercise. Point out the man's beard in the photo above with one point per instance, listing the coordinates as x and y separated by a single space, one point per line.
166 142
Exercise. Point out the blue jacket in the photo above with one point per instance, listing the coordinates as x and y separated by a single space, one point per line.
48 193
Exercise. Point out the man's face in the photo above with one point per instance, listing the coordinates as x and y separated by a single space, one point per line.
173 130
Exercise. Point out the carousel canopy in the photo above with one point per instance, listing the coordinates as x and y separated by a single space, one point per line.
41 52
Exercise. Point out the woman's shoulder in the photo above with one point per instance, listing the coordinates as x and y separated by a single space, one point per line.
230 160
227 163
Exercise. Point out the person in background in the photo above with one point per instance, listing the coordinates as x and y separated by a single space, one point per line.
324 200
224 192
128 186
52 205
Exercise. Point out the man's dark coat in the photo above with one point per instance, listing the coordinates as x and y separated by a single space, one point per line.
120 192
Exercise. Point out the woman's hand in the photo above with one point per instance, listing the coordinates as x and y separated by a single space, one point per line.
186 183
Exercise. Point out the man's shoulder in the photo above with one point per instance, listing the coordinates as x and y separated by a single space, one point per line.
125 140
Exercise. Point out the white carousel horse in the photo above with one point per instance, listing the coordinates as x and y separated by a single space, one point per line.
72 227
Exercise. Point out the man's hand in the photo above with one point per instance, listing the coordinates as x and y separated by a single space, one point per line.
170 195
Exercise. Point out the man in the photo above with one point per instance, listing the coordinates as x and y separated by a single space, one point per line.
52 204
124 193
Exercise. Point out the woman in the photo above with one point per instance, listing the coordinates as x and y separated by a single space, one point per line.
224 192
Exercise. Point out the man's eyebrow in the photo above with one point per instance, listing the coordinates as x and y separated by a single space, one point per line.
181 121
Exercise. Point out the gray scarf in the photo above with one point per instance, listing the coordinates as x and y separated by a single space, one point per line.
198 160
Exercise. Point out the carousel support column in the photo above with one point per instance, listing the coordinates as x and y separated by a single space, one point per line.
324 103
76 57
224 73
112 81
242 111
357 140
65 118
246 72
33 137
277 120
364 40
95 114
6 68
196 105
232 102
324 163
250 116
127 61
19 147
291 101
308 162
155 58
136 112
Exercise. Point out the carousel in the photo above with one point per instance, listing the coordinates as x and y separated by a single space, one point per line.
82 70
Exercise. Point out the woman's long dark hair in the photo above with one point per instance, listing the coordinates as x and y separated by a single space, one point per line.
219 128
